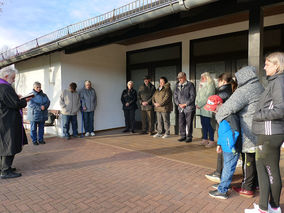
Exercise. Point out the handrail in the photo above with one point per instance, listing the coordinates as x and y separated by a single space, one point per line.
123 12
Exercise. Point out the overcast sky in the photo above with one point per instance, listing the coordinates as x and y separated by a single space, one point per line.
25 20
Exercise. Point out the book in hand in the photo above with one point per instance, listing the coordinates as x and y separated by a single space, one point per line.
30 95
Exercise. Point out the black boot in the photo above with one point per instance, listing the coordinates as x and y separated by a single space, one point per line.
10 174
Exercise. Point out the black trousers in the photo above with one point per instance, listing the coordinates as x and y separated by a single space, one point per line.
129 116
186 120
267 164
250 181
6 163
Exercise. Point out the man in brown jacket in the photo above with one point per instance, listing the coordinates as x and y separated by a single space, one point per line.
145 94
163 102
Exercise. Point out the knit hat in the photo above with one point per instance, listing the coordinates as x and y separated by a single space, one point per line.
212 103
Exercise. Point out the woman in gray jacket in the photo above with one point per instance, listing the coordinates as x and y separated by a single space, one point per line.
243 102
268 125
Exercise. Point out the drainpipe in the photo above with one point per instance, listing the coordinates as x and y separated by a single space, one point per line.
171 8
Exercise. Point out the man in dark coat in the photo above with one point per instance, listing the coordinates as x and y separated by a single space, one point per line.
184 98
12 133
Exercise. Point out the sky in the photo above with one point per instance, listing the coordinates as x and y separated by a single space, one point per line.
25 20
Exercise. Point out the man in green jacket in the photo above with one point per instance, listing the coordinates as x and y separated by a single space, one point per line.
145 94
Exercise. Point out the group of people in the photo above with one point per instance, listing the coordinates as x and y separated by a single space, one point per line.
251 124
71 103
160 100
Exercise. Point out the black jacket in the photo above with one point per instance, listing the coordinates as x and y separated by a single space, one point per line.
12 133
269 116
129 96
225 92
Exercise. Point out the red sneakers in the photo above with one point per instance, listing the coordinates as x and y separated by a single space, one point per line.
243 192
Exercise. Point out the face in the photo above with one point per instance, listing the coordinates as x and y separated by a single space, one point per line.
130 85
182 79
87 85
221 83
37 88
162 82
146 81
203 79
10 78
270 68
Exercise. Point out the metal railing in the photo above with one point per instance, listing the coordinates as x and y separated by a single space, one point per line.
124 12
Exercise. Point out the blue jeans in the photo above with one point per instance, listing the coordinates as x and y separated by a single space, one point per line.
230 163
34 127
207 128
88 118
66 120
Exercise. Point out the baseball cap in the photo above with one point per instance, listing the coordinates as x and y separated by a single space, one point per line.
212 103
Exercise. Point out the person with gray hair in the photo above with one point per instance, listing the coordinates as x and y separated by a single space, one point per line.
89 102
184 97
38 113
128 100
12 133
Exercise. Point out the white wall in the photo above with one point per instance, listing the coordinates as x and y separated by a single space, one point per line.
47 70
105 67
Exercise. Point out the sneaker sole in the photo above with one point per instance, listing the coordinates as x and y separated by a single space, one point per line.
219 197
247 196
213 179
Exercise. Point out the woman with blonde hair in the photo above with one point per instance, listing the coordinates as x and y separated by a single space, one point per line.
268 123
206 89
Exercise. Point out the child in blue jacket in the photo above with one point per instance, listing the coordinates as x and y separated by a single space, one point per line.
229 142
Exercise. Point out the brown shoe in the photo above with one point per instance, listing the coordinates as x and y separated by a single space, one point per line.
203 142
151 133
243 192
211 144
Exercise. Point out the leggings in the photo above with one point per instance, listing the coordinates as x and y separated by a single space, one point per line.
267 164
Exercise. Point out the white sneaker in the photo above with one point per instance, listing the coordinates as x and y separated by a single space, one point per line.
157 135
271 210
87 134
166 136
93 134
254 210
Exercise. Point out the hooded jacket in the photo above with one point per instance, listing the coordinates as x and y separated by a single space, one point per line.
145 94
35 114
243 102
269 116
205 90
185 94
164 97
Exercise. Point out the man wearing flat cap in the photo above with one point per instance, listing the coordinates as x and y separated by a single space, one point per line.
145 93
184 97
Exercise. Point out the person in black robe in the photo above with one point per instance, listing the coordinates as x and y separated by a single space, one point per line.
12 133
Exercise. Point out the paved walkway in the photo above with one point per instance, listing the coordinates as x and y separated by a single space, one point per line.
115 172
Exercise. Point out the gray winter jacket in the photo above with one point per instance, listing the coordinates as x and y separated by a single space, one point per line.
244 102
89 99
70 102
269 116
185 94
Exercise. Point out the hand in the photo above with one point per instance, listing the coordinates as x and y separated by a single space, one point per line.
28 99
157 105
182 106
127 104
219 149
42 108
144 103
84 108
197 107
